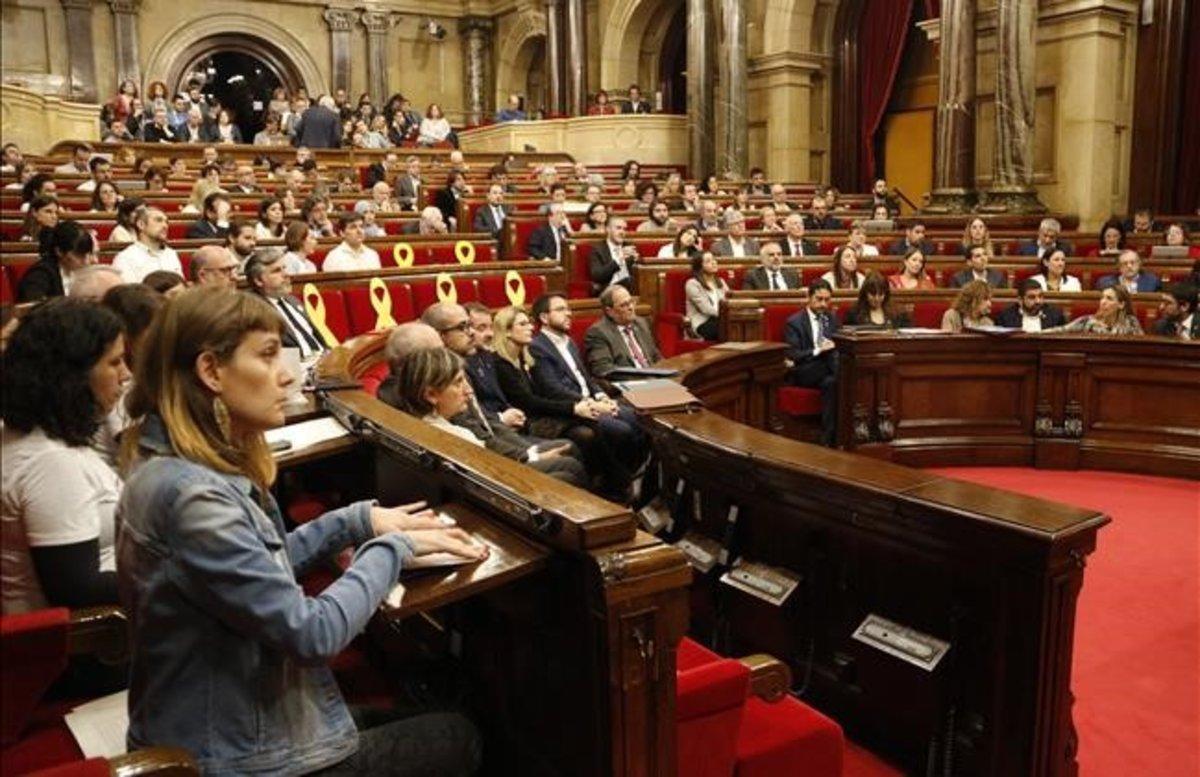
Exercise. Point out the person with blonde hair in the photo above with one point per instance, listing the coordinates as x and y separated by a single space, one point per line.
976 234
229 653
1114 316
971 308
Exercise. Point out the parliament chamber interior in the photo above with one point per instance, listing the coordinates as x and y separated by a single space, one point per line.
635 388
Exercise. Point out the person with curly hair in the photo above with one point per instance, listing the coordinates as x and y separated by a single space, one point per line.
63 372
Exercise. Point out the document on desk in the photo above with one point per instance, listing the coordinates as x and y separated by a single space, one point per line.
100 725
307 433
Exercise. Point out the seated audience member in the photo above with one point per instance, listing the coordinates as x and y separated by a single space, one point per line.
912 273
612 262
81 154
166 283
601 106
215 223
1114 316
635 103
100 169
550 240
595 220
819 217
618 339
430 384
481 368
65 250
245 182
735 244
631 170
210 570
124 231
38 185
976 234
880 213
794 243
272 133
1047 240
874 307
214 267
1175 236
690 199
430 223
709 216
1142 223
490 217
1030 313
160 129
447 198
351 253
372 229
267 277
703 293
512 111
63 371
644 196
409 184
270 224
771 275
150 251
659 219
92 282
977 270
241 240
105 197
770 220
914 237
858 240
1177 313
10 158
880 195
155 180
779 199
1112 238
844 274
42 215
812 355
135 304
558 196
300 242
1130 275
970 308
315 213
434 128
381 198
758 183
1053 276
686 245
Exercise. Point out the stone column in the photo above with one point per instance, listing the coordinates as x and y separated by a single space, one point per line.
341 22
556 102
476 32
125 39
82 64
378 24
699 89
576 57
954 142
733 89
1012 177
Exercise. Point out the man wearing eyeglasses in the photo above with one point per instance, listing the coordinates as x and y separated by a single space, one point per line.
771 274
214 267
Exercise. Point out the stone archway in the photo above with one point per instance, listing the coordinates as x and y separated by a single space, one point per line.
516 49
625 41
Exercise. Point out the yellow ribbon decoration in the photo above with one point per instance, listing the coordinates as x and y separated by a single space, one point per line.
316 313
464 250
382 302
514 287
446 290
403 255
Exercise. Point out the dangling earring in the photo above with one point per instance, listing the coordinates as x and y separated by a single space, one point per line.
221 415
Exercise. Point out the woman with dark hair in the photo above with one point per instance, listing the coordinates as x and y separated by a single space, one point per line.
124 231
602 107
874 306
167 283
1112 238
105 197
156 180
227 130
711 185
1176 235
66 248
631 170
434 127
686 244
135 304
912 273
1114 316
645 194
41 216
1053 276
844 274
704 292
63 371
40 185
300 241
208 570
270 219
596 218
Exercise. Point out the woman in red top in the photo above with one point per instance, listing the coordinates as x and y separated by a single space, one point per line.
602 107
912 274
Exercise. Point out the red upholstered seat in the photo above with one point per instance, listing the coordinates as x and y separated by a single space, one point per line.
425 293
787 737
579 280
335 312
710 699
810 274
362 314
492 290
16 271
579 327
7 292
798 401
92 767
774 317
928 314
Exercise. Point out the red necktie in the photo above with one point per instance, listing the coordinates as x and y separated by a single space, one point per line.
635 350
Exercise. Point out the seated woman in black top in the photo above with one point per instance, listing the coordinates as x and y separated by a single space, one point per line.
67 248
874 308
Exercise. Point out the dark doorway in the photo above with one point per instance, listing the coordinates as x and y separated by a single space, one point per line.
672 65
242 83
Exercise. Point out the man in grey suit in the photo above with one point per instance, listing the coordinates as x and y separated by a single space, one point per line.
319 127
619 339
771 275
267 277
736 244
408 184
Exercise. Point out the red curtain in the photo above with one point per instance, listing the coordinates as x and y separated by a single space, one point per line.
882 30
1187 180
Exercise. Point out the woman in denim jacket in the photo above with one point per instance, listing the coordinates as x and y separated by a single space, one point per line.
229 654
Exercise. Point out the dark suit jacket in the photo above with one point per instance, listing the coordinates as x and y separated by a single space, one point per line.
1030 248
900 247
152 133
995 279
406 191
518 386
798 334
447 203
319 127
808 246
606 350
1011 316
603 267
204 230
827 223
757 279
551 375
1166 328
641 106
288 337
1146 282
485 220
41 281
541 243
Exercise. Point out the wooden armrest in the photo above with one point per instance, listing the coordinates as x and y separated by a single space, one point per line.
100 631
770 678
163 761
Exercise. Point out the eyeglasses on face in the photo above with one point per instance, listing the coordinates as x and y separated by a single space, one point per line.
462 326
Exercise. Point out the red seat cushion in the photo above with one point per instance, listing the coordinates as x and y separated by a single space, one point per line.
42 747
798 401
928 314
774 318
709 709
692 654
92 767
33 653
778 737
335 312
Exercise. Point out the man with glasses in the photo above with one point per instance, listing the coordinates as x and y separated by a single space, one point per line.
215 267
619 339
771 275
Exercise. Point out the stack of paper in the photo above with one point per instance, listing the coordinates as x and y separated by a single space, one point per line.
100 725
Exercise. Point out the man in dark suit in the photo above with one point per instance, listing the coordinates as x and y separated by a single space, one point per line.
447 199
267 277
1030 312
320 126
160 130
771 275
409 183
977 270
881 196
813 355
611 263
914 237
619 339
1047 241
490 217
635 103
1176 313
1130 275
549 241
214 225
794 242
819 217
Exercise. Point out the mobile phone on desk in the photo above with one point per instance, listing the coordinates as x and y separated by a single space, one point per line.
279 446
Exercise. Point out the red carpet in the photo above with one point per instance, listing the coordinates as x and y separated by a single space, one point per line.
1137 642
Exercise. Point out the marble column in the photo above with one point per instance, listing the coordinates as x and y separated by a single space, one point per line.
81 50
341 23
556 102
699 88
954 141
575 57
378 24
125 39
476 33
1012 176
735 132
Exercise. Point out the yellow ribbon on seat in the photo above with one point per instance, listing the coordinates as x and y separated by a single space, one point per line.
382 302
464 250
314 304
403 255
514 288
446 290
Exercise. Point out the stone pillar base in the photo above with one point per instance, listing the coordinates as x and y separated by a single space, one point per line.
950 201
1014 199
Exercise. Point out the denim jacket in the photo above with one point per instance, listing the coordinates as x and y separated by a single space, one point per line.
229 655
